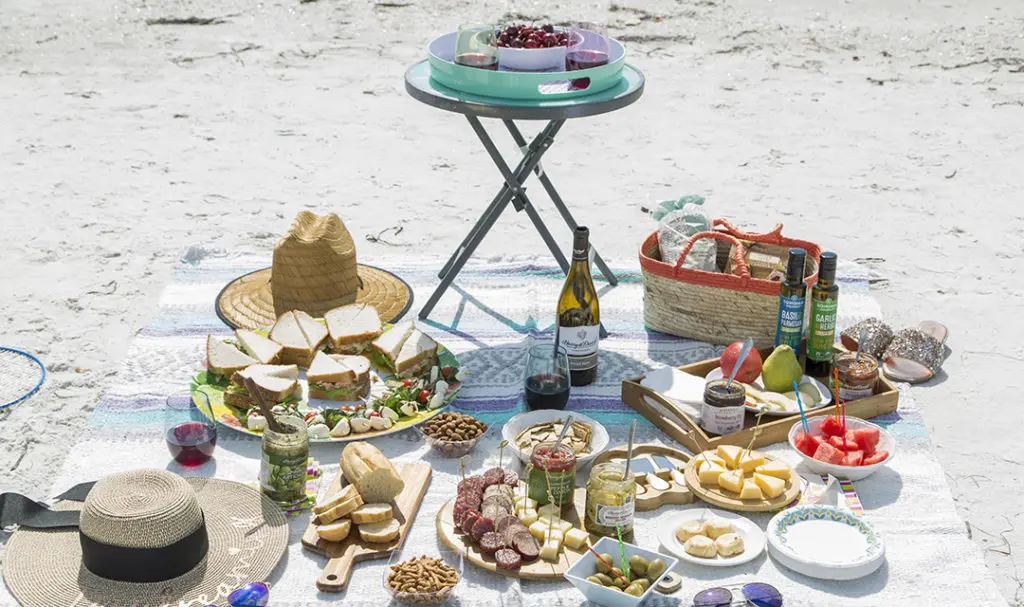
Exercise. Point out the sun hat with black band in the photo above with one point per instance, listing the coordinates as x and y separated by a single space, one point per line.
142 538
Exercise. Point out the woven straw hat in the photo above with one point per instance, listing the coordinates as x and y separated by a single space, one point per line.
149 510
314 270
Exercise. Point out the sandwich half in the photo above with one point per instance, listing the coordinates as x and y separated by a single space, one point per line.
255 345
417 356
339 377
285 371
300 335
224 359
385 348
275 390
352 328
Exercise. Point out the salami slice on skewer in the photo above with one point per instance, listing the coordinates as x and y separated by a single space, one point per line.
508 559
494 476
503 521
491 542
526 545
481 526
512 478
468 520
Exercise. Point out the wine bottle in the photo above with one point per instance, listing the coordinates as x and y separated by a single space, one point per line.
821 332
579 316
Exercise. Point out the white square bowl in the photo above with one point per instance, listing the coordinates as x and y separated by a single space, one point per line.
598 594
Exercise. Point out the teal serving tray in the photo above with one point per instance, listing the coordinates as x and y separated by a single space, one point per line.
537 86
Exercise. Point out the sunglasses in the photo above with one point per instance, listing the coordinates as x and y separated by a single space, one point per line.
757 594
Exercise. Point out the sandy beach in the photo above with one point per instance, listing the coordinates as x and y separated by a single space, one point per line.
886 131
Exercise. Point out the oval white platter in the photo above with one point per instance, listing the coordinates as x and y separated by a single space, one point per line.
825 542
757 383
753 537
598 435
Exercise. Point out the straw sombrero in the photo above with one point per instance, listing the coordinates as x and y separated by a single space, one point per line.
189 540
314 270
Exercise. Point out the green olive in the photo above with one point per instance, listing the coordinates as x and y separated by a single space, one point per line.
637 564
618 579
654 569
595 580
607 558
634 589
615 588
643 582
603 579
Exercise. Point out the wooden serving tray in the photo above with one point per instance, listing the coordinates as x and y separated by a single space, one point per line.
538 569
344 554
647 497
681 427
731 501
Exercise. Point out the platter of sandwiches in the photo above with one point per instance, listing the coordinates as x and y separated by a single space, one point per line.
348 375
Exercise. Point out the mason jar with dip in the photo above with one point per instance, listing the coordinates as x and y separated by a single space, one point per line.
857 378
552 470
723 409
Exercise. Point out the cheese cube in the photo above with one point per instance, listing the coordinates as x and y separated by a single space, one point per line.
550 511
519 508
529 504
575 538
770 485
732 481
731 455
528 517
519 498
709 475
751 492
538 530
549 551
775 468
557 523
749 461
704 458
554 534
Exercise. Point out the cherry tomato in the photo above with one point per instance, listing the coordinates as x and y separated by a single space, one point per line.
374 414
309 416
423 396
407 383
447 372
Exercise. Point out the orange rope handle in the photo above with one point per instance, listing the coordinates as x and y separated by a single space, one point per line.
741 264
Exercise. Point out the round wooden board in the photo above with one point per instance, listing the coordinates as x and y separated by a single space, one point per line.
731 501
648 498
538 569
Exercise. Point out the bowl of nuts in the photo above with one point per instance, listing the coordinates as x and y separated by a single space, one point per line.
453 434
422 580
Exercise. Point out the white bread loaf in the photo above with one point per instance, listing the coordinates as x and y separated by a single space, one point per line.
373 475
380 533
372 513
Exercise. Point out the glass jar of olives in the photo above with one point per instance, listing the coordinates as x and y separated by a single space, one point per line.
611 500
284 462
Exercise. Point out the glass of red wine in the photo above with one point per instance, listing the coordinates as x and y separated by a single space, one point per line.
547 377
477 46
588 47
189 428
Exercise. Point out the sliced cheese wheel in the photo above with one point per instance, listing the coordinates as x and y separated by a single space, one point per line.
706 458
731 455
732 481
709 475
750 461
751 492
770 485
775 468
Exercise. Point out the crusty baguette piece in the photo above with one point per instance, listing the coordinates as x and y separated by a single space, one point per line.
372 513
342 496
336 531
380 533
343 509
373 474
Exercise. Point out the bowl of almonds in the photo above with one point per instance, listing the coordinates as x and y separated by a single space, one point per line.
422 580
453 434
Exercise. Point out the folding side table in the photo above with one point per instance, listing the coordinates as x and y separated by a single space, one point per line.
422 88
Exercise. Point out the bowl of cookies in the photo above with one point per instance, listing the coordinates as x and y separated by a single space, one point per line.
713 538
419 579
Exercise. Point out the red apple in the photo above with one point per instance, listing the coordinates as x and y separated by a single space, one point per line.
751 367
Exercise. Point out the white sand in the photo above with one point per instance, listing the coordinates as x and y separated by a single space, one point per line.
853 122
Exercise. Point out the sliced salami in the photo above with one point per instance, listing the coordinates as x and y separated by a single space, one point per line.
494 476
501 501
526 545
493 511
512 478
460 512
468 520
481 526
473 501
491 542
502 522
508 559
475 481
510 532
501 489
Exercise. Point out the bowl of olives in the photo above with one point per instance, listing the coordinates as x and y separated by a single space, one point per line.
609 582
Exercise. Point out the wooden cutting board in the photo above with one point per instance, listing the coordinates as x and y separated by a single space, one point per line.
344 554
538 569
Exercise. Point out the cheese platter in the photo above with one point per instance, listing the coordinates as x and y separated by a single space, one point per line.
742 480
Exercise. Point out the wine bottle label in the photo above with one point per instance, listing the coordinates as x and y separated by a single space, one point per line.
822 333
580 344
791 322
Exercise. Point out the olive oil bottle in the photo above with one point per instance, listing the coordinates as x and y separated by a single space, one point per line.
792 299
821 332
579 316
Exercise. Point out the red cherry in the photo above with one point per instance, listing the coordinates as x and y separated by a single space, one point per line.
516 44
532 44
501 43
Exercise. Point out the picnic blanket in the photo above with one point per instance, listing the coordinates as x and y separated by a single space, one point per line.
490 318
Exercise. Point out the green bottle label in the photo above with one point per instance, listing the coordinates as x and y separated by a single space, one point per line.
822 333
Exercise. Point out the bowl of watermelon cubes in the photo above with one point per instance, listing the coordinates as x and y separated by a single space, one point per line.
852 452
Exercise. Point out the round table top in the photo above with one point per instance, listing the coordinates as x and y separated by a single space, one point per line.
423 88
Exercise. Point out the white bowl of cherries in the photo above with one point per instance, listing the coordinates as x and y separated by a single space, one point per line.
527 48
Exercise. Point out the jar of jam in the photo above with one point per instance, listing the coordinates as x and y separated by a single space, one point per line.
857 378
611 500
723 409
552 472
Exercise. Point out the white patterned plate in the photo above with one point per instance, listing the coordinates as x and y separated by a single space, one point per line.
753 537
825 542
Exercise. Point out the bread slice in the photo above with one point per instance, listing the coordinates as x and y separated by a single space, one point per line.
343 509
224 358
326 368
286 371
351 328
316 333
300 335
255 345
373 474
342 496
390 343
418 354
274 390
372 513
336 531
380 533
358 364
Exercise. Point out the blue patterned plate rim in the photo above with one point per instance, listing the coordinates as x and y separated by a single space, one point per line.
786 519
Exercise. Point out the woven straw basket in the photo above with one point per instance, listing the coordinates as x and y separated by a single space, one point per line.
715 307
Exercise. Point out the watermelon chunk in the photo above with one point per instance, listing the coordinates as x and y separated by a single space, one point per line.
853 458
828 454
832 426
851 442
806 444
838 442
867 439
877 456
